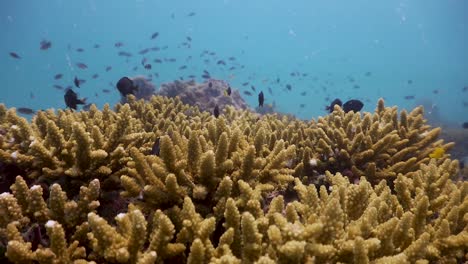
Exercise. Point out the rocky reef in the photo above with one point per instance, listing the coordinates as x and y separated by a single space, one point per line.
161 181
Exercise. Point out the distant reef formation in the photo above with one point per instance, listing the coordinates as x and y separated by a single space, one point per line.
162 181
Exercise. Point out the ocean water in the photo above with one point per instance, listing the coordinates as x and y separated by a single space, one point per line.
329 49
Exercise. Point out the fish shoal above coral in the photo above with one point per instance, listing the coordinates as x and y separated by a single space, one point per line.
160 181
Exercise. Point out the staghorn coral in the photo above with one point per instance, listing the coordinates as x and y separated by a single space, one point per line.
237 188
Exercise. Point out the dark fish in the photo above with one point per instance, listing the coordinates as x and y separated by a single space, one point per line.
58 76
435 91
58 87
25 110
301 105
108 68
15 55
143 51
95 76
171 60
192 76
156 148
368 74
465 89
356 86
277 80
261 99
289 87
228 91
135 68
332 105
79 50
96 46
155 48
248 93
303 93
125 54
157 61
465 125
126 86
82 65
353 105
210 84
206 72
183 67
409 97
148 66
118 44
71 99
231 58
76 82
191 14
232 68
410 81
216 111
154 35
105 90
253 88
221 62
45 44
189 38
206 76
270 91
245 84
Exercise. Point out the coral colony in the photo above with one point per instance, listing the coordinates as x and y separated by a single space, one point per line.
161 181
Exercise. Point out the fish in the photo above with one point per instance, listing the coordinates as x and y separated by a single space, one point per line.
261 99
368 74
303 93
437 153
221 62
79 49
228 91
108 68
301 105
191 14
71 99
45 45
465 89
289 87
15 55
143 51
95 76
25 110
118 44
189 38
248 93
125 86
183 67
410 81
76 82
352 105
58 87
435 91
105 90
125 54
154 35
332 105
409 97
157 61
148 66
245 84
210 84
96 46
270 90
216 111
232 58
156 149
465 125
81 65
232 68
253 88
58 76
356 86
206 76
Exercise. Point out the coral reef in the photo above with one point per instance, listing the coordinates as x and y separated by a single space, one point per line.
349 187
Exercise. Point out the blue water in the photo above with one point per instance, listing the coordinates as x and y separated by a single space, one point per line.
411 47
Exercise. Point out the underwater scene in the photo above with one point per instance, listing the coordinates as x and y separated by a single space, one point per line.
234 131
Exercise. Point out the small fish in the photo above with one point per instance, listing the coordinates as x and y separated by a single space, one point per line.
118 44
154 35
15 55
356 86
183 67
303 93
108 68
216 111
191 14
125 54
352 105
465 89
189 38
301 105
247 93
45 45
232 58
25 110
221 62
156 149
82 65
435 91
58 76
465 125
332 105
245 84
71 99
143 51
409 97
155 48
253 88
410 81
368 74
210 84
232 68
270 90
261 99
76 82
148 66
289 87
79 50
157 61
437 153
105 90
58 87
125 86
228 91
206 76
95 76
96 46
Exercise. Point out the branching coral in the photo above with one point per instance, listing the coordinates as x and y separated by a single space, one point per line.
232 189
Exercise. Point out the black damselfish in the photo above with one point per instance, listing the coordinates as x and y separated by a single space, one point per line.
71 99
125 86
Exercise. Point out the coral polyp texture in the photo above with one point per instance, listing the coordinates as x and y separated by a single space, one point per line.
160 181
